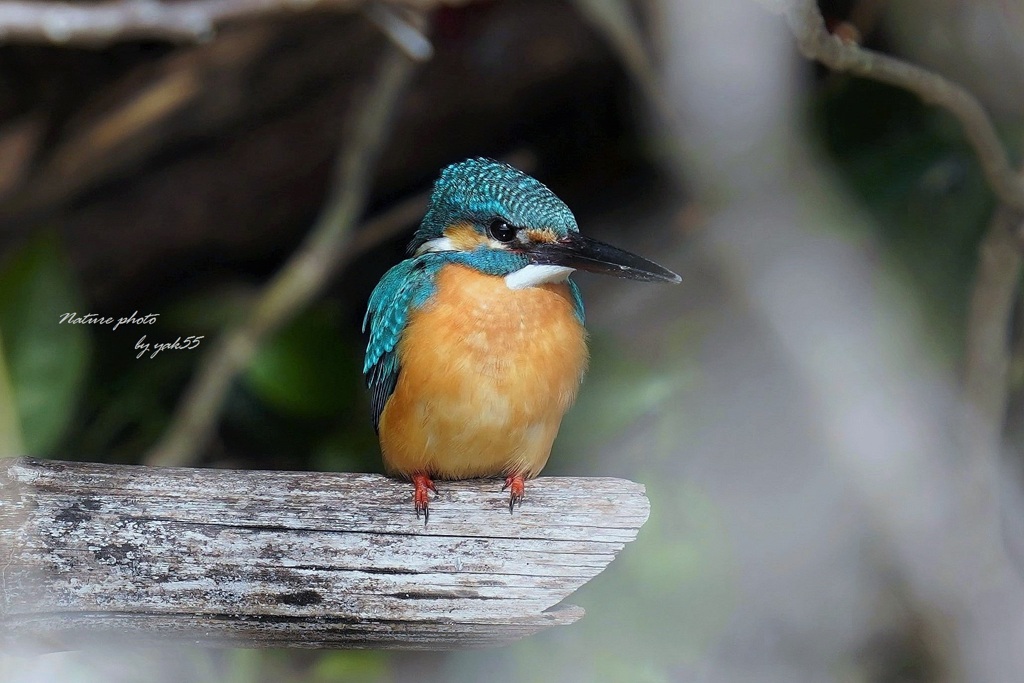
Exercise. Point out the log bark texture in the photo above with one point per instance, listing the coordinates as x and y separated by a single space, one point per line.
92 552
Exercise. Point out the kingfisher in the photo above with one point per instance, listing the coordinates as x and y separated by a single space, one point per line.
477 345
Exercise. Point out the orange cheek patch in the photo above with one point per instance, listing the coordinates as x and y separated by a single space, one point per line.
541 235
464 237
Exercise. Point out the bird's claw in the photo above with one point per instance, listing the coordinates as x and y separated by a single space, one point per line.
422 486
517 484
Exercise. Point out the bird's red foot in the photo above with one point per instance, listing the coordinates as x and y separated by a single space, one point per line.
422 486
517 484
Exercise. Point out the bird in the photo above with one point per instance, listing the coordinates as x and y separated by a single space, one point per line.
477 344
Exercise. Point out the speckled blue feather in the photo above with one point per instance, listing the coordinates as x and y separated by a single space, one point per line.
474 191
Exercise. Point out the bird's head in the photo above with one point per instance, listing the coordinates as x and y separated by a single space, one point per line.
498 212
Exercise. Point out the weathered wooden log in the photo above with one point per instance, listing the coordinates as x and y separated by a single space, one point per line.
92 552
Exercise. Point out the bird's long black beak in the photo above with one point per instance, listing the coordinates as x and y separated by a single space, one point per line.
585 253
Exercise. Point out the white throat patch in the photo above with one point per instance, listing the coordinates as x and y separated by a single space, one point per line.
533 275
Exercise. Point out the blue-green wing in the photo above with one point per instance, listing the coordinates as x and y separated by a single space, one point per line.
403 288
577 302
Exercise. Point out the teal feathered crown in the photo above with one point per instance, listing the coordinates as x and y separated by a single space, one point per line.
480 190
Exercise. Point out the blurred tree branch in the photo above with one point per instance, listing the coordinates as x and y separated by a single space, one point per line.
987 353
93 24
305 273
615 21
815 42
987 362
253 113
190 92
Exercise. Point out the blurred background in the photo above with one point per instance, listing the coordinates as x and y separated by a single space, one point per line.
828 502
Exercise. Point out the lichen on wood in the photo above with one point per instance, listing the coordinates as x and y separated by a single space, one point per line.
92 552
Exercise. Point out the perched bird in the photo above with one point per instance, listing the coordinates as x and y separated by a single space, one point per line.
477 345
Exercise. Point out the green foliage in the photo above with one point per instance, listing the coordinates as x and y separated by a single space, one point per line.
210 310
352 447
664 602
683 565
245 666
306 369
653 612
352 666
130 407
618 390
10 428
911 168
46 362
271 666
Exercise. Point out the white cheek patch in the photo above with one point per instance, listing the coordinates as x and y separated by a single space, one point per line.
439 244
446 244
533 275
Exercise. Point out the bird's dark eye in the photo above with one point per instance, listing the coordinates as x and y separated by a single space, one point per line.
501 231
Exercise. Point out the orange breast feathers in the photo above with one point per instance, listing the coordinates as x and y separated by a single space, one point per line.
487 373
